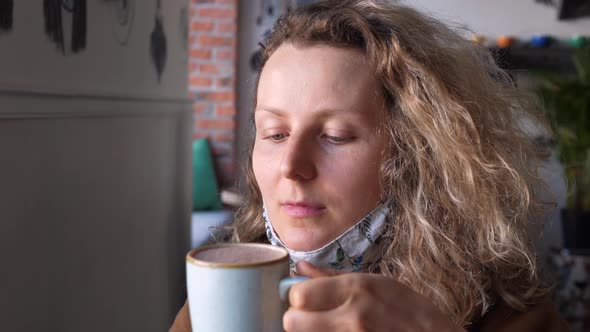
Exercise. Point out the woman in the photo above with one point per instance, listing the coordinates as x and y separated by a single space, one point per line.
389 145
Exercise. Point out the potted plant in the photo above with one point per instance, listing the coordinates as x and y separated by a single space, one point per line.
567 104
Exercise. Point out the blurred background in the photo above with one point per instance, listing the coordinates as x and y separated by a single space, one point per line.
123 126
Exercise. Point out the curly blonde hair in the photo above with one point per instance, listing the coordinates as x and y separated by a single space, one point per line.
458 170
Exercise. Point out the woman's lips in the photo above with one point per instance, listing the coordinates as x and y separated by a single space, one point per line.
302 209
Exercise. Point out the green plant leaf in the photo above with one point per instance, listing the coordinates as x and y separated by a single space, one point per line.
567 105
582 62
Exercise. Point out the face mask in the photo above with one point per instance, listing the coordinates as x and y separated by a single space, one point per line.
347 252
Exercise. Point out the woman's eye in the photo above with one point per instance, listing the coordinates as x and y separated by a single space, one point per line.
337 139
277 137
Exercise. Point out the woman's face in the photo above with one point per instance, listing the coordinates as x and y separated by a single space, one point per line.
318 145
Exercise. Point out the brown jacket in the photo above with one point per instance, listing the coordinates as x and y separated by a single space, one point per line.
542 317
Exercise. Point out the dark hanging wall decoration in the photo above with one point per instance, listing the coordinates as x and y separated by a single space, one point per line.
53 23
183 25
6 14
268 12
569 9
574 9
158 49
53 10
124 16
79 25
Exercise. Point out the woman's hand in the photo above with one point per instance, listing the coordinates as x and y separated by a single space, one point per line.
358 302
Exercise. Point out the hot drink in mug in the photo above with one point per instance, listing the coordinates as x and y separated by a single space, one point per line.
238 287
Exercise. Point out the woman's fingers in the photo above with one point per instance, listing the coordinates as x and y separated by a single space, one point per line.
303 321
360 302
320 293
347 317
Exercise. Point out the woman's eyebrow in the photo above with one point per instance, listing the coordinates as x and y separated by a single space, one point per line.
319 111
275 111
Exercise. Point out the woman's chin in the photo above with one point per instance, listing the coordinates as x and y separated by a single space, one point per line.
303 243
302 247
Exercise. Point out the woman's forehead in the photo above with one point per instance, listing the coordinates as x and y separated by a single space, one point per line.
316 77
316 56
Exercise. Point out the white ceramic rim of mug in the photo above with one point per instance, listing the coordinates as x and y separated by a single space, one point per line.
190 257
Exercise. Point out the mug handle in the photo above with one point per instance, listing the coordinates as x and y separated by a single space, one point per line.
286 284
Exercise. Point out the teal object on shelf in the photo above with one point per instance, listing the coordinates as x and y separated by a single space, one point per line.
578 41
205 187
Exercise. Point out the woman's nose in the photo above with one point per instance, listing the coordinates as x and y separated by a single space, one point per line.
298 161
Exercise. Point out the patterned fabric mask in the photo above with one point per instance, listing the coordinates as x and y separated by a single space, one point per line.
346 253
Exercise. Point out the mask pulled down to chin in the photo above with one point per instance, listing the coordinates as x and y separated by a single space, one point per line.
347 252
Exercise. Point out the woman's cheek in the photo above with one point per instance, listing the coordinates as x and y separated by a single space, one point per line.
264 167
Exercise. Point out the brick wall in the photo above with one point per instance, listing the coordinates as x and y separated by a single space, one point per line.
212 79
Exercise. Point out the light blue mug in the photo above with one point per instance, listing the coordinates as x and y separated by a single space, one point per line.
238 287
